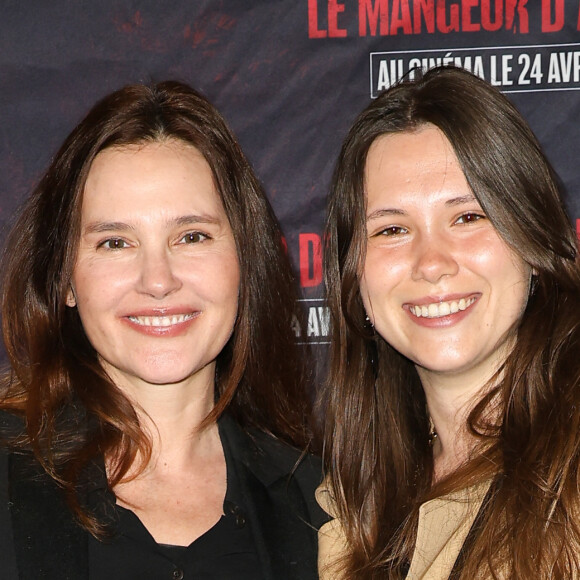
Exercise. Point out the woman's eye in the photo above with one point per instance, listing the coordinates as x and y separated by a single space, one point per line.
393 231
469 217
114 244
193 238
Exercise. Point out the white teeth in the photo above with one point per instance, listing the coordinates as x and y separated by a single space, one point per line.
439 309
160 320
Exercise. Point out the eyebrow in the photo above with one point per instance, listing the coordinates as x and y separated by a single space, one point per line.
461 200
383 212
186 220
469 198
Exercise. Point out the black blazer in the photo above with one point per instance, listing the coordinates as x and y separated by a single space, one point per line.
40 539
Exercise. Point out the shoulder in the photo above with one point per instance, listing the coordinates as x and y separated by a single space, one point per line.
268 457
285 471
11 425
279 456
332 543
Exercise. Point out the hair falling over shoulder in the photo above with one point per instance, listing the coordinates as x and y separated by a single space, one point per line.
376 452
73 412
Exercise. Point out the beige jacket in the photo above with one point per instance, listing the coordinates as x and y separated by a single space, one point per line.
443 526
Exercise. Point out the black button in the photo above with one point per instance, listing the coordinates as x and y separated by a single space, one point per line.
177 574
230 507
233 510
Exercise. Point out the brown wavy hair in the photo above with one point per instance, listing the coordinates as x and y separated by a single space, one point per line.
376 450
72 410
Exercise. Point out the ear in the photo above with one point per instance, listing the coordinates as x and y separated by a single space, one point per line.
71 299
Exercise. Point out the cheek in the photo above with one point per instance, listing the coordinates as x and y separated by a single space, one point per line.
232 276
489 252
219 282
380 279
509 278
520 289
99 285
368 295
488 257
378 304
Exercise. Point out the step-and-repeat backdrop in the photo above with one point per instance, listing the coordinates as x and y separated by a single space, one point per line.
289 75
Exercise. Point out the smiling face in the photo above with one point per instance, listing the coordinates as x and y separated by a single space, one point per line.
156 276
439 284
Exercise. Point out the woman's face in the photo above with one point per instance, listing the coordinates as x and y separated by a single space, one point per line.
156 276
439 284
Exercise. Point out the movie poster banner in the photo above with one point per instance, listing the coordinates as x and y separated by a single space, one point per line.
289 76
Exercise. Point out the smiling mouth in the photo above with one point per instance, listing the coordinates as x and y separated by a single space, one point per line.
440 309
160 321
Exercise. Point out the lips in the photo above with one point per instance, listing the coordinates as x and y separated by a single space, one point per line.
442 308
161 321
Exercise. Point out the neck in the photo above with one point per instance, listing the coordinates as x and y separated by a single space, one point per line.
449 403
451 396
172 415
452 442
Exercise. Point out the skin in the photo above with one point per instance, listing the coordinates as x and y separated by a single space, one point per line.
431 250
156 285
156 246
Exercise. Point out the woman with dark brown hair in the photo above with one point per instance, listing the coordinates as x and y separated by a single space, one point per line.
155 400
453 401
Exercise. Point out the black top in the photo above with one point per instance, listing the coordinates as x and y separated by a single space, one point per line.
41 539
225 551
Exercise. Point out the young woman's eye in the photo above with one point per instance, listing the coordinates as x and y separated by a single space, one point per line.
194 238
469 217
114 244
393 231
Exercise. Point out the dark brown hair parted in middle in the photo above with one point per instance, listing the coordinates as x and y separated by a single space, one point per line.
72 409
376 443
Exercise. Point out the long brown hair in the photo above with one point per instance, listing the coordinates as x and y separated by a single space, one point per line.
73 412
376 441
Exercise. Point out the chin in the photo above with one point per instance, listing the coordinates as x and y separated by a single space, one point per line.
169 377
442 366
167 373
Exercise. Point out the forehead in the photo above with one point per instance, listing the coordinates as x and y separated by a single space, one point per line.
419 163
169 173
119 160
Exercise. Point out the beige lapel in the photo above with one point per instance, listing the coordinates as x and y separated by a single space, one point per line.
443 526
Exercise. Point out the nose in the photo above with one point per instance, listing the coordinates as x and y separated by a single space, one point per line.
434 259
157 274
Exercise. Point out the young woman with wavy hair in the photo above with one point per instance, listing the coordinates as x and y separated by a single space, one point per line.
155 399
453 399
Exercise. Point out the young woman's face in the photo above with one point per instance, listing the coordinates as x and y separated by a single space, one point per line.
439 284
156 277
